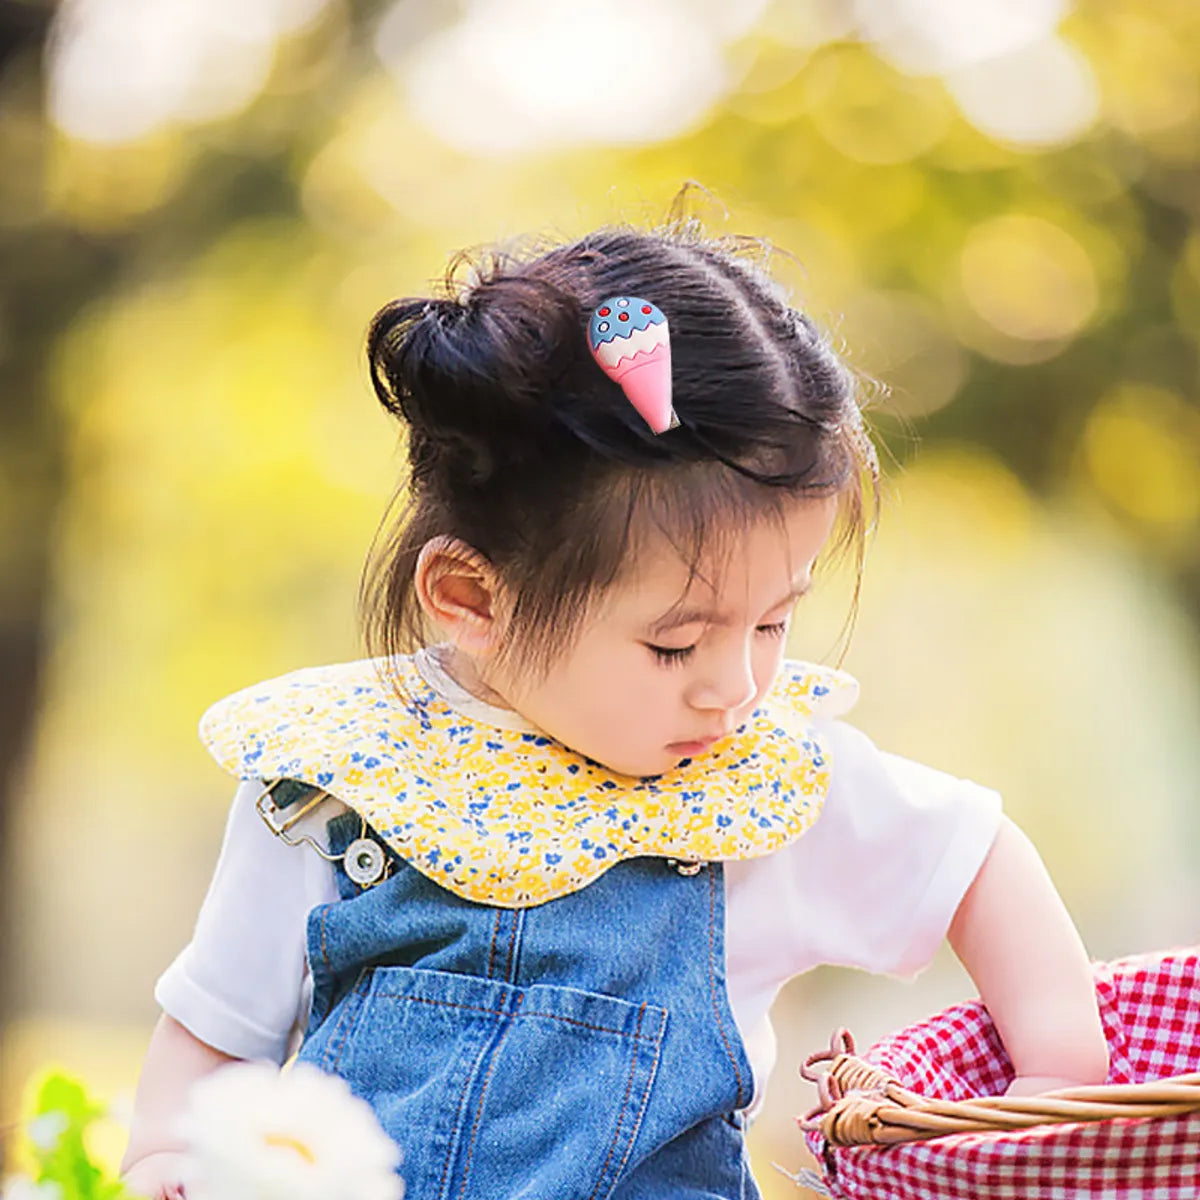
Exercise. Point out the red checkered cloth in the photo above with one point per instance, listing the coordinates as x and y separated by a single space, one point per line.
1150 1006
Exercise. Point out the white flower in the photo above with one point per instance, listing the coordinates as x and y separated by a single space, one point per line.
254 1133
21 1187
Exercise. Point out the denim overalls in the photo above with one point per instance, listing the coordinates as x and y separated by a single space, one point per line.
579 1049
534 999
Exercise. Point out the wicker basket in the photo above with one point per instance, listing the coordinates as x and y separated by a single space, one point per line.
906 1121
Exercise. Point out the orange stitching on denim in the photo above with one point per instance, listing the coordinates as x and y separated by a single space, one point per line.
517 918
637 1125
344 1022
499 1012
494 1012
483 1095
637 1037
492 950
324 948
712 982
624 1104
462 1103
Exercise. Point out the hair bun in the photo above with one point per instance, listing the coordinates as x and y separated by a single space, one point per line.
476 374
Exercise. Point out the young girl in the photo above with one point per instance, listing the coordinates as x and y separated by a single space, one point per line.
532 889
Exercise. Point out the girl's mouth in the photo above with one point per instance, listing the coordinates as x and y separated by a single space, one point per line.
691 749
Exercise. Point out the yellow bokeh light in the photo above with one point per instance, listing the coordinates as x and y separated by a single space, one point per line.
871 113
1149 80
1028 278
101 188
967 498
222 419
1140 447
898 338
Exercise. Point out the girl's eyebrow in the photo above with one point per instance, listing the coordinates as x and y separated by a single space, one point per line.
677 617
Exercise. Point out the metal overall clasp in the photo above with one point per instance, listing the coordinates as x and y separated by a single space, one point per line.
363 860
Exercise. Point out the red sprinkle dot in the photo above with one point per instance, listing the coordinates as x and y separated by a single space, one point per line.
647 309
622 316
605 311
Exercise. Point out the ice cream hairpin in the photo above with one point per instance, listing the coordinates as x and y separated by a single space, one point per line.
628 337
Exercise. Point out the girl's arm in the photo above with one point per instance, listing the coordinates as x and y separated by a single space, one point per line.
174 1061
1015 938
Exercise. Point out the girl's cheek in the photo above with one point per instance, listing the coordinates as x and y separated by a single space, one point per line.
769 661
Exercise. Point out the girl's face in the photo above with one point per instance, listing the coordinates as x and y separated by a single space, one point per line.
663 668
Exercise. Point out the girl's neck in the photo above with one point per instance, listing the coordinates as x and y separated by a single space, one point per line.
431 665
462 670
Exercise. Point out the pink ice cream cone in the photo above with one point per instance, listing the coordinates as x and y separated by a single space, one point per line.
646 379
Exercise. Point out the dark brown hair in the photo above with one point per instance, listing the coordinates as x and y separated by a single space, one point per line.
520 446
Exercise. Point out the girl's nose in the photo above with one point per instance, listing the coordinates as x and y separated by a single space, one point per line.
728 683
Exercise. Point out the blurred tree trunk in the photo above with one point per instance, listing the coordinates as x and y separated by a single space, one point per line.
35 256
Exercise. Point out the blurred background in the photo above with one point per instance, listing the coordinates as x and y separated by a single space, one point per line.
994 208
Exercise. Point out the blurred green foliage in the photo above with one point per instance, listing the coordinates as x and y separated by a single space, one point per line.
57 1130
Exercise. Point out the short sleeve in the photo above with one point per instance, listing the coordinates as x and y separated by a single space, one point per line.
873 884
240 985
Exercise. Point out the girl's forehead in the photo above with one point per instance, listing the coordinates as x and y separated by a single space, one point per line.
773 553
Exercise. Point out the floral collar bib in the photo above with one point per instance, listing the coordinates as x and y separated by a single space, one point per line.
513 818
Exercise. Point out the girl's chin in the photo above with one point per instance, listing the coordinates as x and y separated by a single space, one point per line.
647 762
643 768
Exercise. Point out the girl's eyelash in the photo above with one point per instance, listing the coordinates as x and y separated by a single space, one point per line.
672 655
679 654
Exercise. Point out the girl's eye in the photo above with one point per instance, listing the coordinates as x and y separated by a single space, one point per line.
671 654
679 654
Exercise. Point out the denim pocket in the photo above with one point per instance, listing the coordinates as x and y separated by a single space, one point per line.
496 1090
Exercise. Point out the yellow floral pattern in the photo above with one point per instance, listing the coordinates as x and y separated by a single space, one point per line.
514 818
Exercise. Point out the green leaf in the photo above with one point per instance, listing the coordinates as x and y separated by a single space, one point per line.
63 1111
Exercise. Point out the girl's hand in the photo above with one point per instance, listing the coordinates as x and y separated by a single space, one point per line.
157 1176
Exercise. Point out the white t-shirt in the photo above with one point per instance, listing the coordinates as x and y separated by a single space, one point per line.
874 883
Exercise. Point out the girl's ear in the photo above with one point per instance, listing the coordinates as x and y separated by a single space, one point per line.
458 590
